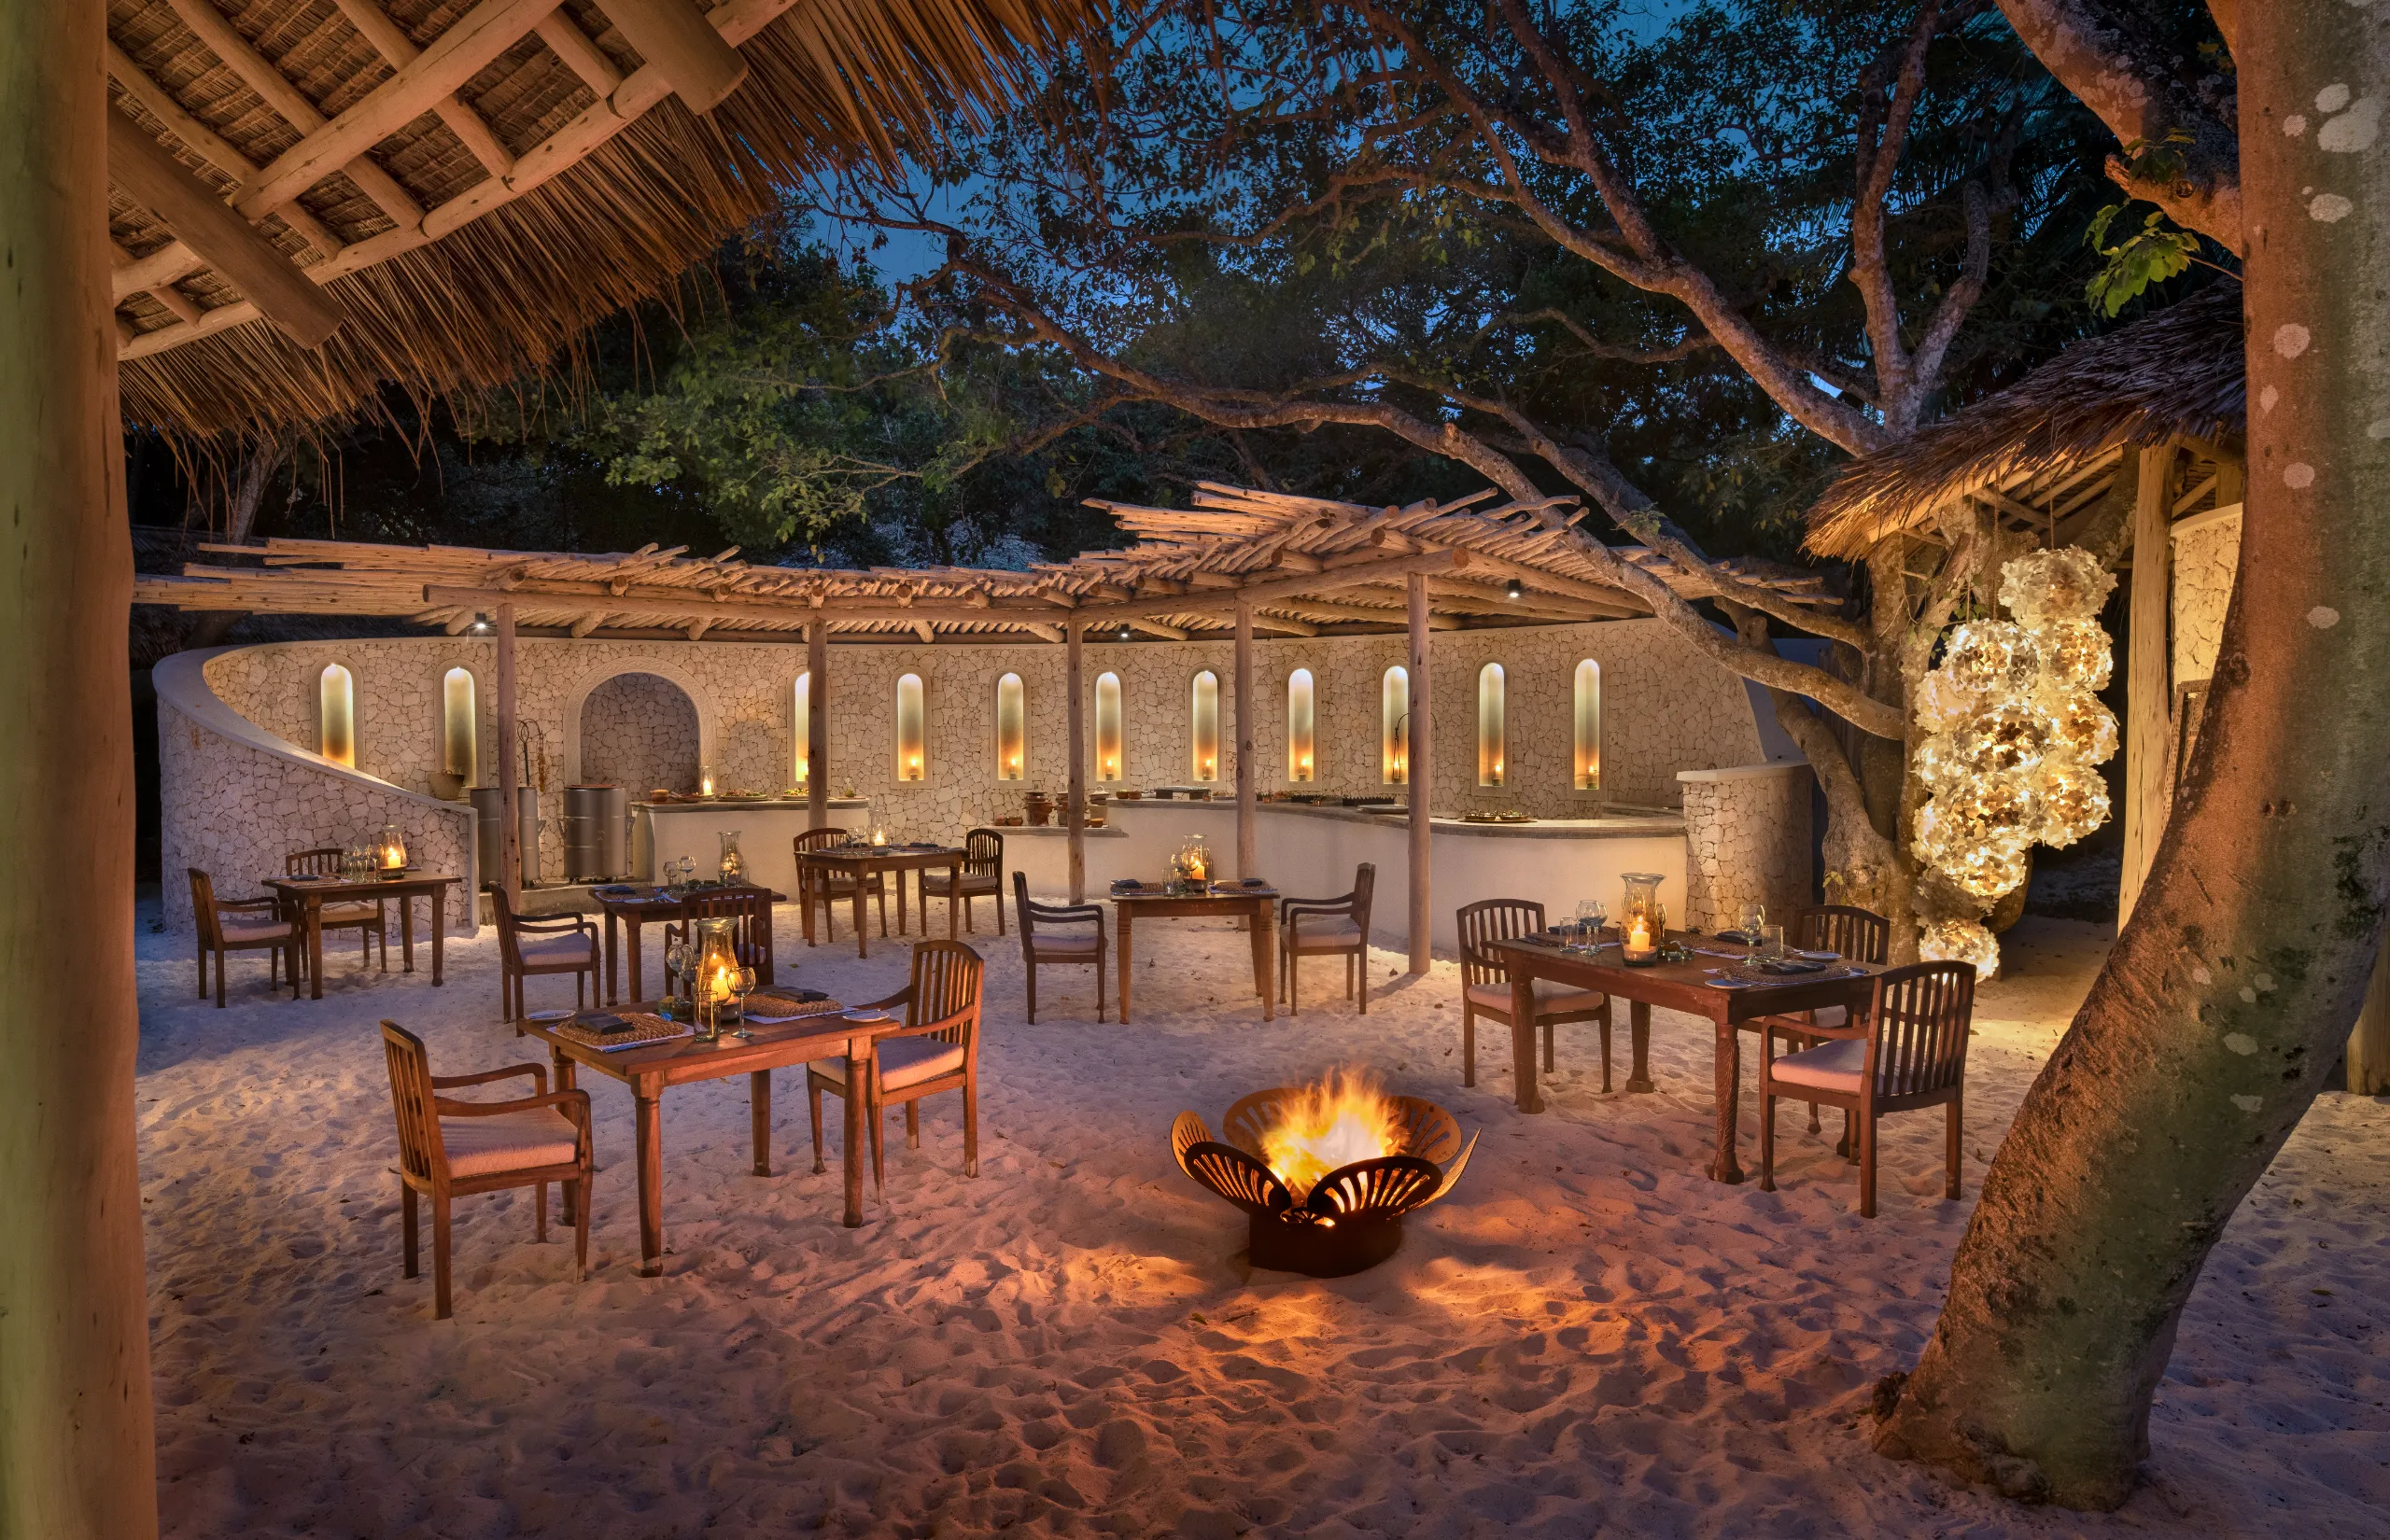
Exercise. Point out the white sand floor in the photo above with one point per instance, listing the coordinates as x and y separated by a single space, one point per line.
1587 1338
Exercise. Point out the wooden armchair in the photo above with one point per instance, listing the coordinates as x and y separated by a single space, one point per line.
566 944
1859 934
831 889
370 918
1056 945
749 908
1909 1052
983 876
1485 983
937 1051
1336 926
240 925
451 1149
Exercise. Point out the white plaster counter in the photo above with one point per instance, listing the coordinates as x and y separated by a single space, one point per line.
1311 851
663 832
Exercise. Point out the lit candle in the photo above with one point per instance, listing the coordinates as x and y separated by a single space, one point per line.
1638 937
705 786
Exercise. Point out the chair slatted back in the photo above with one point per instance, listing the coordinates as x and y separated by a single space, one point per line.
983 853
814 839
1365 887
420 1149
1921 1014
1859 934
1490 920
1029 911
501 910
947 978
748 909
322 861
203 908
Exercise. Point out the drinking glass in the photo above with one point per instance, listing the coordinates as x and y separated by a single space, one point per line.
676 963
741 987
1772 941
1590 919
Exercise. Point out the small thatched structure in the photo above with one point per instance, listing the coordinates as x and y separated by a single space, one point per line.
469 185
2045 450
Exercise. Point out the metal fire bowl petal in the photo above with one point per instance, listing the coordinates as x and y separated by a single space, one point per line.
1353 1217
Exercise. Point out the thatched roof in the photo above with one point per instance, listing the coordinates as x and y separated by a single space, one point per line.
1303 565
2044 443
471 185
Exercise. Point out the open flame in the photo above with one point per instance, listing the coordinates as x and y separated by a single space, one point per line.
1343 1118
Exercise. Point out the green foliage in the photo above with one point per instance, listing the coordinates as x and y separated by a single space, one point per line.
2150 256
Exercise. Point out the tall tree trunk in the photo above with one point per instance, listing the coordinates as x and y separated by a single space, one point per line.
241 517
77 1456
2222 1007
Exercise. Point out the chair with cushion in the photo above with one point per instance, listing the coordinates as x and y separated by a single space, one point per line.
983 869
1055 943
831 889
240 925
1485 983
564 944
1908 1051
937 1051
750 912
451 1149
1336 926
369 918
1859 934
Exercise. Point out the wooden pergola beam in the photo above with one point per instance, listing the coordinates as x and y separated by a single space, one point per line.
683 48
210 146
392 43
150 176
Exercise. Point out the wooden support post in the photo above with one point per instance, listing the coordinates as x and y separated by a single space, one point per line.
683 45
2148 678
1242 693
510 777
1074 804
817 726
75 1429
2369 1061
1421 780
152 178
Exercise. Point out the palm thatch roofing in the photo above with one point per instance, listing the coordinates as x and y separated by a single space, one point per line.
1303 566
2047 448
472 183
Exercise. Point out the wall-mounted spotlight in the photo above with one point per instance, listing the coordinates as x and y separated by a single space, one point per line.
1513 589
481 625
1124 633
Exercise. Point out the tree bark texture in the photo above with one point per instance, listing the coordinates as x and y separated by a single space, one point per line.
2225 999
77 1460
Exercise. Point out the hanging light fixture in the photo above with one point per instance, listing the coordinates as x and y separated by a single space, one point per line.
481 625
1513 590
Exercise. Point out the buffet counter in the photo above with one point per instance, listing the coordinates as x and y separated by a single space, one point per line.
663 832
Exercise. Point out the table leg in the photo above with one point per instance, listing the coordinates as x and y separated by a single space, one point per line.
438 934
650 1181
1729 1075
1263 983
1126 967
614 947
564 1082
904 926
852 1135
953 900
1522 1064
1639 1028
759 1118
631 942
314 945
862 945
805 898
406 936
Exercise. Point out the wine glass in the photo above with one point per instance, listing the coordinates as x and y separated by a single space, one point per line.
1754 921
676 962
1591 917
741 987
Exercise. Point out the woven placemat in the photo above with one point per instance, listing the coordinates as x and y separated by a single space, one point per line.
767 1010
644 1028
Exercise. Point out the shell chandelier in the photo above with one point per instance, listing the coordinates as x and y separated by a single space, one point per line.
2015 734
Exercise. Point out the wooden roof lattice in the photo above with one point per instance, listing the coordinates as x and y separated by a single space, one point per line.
2044 451
1304 566
470 185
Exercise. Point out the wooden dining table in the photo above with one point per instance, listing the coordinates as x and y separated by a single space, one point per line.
649 1069
306 898
1258 905
645 903
862 862
1679 986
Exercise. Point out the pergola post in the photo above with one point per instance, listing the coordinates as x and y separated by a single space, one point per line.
76 1435
1243 691
817 726
1420 781
1074 803
509 774
2148 674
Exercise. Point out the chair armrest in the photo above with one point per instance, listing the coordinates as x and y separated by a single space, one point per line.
574 1103
1288 908
538 1073
1066 914
902 996
945 1025
223 905
559 926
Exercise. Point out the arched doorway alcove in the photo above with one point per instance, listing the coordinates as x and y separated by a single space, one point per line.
640 731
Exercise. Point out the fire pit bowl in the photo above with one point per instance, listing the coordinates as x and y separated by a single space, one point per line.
1349 1217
